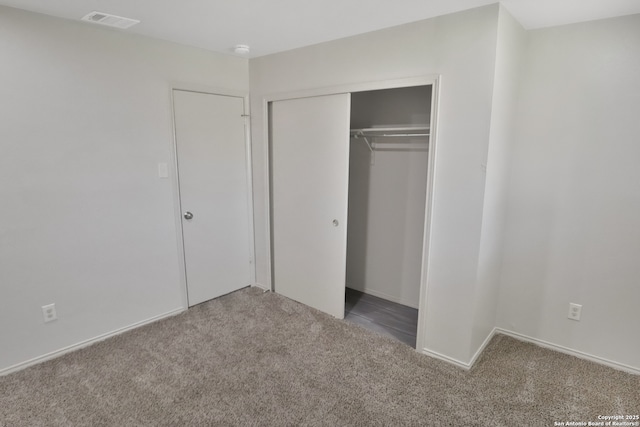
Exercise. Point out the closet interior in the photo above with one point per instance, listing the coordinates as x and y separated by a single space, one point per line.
388 162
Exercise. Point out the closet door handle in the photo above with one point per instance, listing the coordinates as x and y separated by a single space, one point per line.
336 223
188 215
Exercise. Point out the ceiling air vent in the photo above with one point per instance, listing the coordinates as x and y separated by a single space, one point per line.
110 20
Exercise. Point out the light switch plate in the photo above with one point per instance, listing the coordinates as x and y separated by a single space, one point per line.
163 170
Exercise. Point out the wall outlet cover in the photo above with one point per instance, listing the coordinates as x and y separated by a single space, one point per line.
49 313
575 310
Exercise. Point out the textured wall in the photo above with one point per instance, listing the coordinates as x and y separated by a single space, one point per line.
85 222
573 222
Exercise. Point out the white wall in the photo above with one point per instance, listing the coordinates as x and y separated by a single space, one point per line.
461 47
511 44
386 221
85 222
404 106
573 222
387 198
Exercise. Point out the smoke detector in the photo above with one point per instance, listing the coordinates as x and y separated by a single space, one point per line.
110 20
241 49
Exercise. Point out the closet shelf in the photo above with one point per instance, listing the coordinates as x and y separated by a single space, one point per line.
396 131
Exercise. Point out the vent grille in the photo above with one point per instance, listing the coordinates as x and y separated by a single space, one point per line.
110 20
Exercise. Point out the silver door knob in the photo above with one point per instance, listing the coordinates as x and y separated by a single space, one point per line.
188 215
335 223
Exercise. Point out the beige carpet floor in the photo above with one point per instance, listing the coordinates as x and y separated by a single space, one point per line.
258 359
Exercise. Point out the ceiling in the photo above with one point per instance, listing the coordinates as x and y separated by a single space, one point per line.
270 26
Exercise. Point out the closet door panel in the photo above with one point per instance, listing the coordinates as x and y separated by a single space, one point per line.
309 197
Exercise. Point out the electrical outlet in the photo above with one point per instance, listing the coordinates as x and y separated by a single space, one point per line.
574 311
49 313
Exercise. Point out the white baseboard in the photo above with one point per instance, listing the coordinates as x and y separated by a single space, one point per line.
484 345
569 351
261 286
464 365
86 343
440 356
536 341
412 304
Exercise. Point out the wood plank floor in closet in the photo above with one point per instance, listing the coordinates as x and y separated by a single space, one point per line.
382 316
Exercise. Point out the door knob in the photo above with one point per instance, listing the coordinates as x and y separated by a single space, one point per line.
188 215
335 223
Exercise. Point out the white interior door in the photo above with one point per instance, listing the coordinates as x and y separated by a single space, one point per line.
212 172
309 197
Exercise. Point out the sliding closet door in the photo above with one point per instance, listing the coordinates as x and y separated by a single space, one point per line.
309 196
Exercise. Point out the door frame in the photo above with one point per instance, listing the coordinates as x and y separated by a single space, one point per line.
175 179
432 79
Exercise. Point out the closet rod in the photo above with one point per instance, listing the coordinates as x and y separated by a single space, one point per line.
389 135
390 132
401 134
392 129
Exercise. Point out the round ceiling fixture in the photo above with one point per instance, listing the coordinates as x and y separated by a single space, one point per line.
241 49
